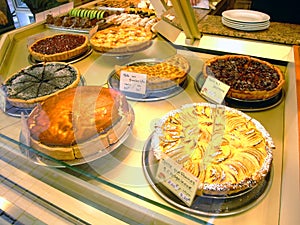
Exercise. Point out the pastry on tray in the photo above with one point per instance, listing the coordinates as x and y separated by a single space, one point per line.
78 122
228 151
249 78
121 39
35 83
59 47
162 74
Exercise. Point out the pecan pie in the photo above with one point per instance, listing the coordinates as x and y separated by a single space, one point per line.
226 149
249 78
59 47
35 83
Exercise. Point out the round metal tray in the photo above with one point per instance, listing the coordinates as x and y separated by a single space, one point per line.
205 205
44 160
245 105
150 95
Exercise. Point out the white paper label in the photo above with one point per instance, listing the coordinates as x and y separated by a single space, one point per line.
214 89
2 100
182 183
133 82
25 130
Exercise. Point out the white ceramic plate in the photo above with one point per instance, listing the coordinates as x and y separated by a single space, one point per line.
245 27
244 15
266 23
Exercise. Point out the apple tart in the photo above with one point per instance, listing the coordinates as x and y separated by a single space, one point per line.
59 47
238 158
249 78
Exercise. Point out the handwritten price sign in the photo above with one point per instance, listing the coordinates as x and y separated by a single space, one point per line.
133 82
177 180
214 89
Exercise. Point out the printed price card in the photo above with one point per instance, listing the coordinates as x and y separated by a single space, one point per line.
133 82
214 89
182 183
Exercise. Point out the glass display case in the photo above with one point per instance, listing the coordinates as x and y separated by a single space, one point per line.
120 187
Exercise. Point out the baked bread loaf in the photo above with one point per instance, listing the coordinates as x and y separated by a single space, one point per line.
78 122
59 47
249 78
226 149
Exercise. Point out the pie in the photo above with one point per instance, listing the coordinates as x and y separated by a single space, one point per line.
226 149
59 47
35 83
78 122
160 75
118 4
121 39
249 78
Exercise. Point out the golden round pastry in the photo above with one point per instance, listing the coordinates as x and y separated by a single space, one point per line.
35 83
160 75
59 47
78 122
226 149
121 39
249 78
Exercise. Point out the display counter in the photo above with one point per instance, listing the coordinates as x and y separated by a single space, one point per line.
116 188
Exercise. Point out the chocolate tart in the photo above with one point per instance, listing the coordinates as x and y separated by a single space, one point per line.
33 84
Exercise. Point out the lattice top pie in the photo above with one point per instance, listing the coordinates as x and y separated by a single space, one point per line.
121 39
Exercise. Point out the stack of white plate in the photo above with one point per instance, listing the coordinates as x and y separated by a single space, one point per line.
246 20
